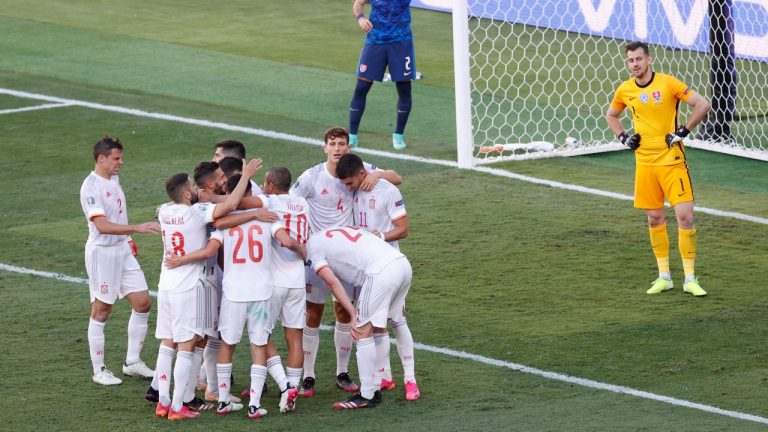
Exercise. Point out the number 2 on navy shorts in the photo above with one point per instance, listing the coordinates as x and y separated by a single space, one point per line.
398 56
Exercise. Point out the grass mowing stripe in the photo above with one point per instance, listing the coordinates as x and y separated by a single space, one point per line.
35 108
488 361
305 140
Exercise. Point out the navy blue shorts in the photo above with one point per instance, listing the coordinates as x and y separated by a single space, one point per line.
398 56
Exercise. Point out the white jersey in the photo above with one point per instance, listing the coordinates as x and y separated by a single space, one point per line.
247 260
103 197
185 230
350 252
379 208
293 211
255 189
330 201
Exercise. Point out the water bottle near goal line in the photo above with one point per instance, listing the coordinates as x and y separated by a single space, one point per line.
388 77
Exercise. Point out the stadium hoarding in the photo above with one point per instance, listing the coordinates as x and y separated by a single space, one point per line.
681 24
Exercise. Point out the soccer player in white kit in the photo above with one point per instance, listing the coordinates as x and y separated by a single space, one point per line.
110 261
362 259
330 204
382 212
185 310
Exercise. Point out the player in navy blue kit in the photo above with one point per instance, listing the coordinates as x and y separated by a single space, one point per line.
388 43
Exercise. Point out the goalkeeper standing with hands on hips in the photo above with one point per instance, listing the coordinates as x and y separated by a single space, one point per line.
388 43
661 169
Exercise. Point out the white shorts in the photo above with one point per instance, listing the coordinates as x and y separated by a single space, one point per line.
383 294
113 272
317 291
289 307
253 315
180 314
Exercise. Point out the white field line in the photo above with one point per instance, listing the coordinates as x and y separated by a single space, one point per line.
305 140
489 361
34 108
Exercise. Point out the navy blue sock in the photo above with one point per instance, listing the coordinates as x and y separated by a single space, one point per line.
404 103
357 106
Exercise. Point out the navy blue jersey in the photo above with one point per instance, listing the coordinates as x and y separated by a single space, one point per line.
391 21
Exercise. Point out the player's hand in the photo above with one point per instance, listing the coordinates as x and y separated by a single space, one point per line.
370 181
677 136
148 227
172 261
631 141
364 24
249 170
264 215
134 249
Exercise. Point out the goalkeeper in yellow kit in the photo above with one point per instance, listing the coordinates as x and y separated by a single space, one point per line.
661 169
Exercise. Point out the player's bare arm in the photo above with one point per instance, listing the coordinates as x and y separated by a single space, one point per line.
400 231
614 122
106 227
330 279
211 248
700 106
372 178
359 12
287 241
235 219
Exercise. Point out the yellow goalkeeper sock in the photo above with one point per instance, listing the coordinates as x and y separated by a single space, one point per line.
660 245
687 243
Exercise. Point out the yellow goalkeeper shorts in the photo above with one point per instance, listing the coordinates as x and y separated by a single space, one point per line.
654 183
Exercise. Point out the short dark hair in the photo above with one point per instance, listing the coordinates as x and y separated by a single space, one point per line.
280 177
204 171
349 165
335 132
105 146
174 186
231 166
233 181
637 44
232 148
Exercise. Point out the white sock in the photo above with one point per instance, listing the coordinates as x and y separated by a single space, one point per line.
96 344
137 330
181 378
258 376
383 368
665 275
342 337
209 354
275 368
294 376
223 372
405 349
689 278
366 366
311 342
194 369
163 371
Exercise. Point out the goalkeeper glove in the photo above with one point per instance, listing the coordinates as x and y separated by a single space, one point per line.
134 249
631 141
677 136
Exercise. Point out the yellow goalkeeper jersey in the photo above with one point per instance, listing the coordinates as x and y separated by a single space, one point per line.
654 107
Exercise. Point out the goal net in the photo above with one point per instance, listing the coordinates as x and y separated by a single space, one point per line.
539 75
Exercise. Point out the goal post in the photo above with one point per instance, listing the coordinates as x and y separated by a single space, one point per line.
533 79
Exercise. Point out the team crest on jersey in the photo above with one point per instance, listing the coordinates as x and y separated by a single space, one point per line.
657 97
363 68
372 203
644 97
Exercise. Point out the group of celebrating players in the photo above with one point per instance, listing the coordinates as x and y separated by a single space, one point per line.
237 256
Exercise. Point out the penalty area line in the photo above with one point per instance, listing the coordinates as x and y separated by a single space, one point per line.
34 108
305 140
487 361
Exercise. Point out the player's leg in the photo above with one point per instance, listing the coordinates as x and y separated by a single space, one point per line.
258 323
649 196
182 374
164 368
370 68
103 281
680 192
383 367
400 326
342 339
134 288
293 320
232 318
317 294
402 66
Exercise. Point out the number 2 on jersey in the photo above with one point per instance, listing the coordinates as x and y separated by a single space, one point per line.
255 248
353 237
